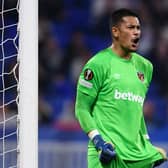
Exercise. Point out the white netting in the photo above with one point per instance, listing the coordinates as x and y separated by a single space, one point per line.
8 83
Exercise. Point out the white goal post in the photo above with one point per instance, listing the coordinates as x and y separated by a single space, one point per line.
28 84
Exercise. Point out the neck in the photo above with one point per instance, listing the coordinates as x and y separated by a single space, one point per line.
120 51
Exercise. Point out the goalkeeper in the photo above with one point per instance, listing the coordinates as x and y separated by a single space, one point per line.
109 102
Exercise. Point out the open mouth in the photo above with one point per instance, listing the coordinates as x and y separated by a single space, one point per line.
135 41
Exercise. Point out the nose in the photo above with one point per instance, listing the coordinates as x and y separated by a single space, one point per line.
137 31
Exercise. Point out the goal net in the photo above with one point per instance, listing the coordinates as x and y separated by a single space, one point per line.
8 83
18 84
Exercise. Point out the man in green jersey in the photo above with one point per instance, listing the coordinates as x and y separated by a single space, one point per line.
109 103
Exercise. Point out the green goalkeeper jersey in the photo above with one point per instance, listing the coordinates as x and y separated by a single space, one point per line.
118 87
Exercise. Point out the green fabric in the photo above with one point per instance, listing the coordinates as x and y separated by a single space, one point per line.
93 162
117 106
83 107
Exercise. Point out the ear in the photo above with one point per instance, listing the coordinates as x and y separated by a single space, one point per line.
115 32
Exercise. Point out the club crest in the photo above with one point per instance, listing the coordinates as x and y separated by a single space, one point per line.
88 74
140 76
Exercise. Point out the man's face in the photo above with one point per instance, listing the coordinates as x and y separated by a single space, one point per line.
128 33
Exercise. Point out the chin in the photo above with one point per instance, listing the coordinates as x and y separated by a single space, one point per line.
133 49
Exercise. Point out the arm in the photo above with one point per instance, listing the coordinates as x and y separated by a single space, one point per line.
160 150
144 129
83 106
90 82
83 109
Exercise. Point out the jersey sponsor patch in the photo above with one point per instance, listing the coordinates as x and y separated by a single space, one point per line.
88 74
140 76
85 83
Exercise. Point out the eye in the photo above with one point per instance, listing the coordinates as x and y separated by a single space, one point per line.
131 27
138 27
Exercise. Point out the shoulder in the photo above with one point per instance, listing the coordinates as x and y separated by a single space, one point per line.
100 58
98 64
142 60
144 65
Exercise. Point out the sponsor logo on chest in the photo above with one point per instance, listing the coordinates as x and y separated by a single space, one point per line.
128 96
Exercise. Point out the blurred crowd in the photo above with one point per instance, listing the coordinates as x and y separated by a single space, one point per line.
72 31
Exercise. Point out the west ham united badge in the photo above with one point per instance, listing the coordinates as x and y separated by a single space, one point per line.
140 76
88 74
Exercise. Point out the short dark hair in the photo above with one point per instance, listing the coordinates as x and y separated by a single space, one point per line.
116 16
